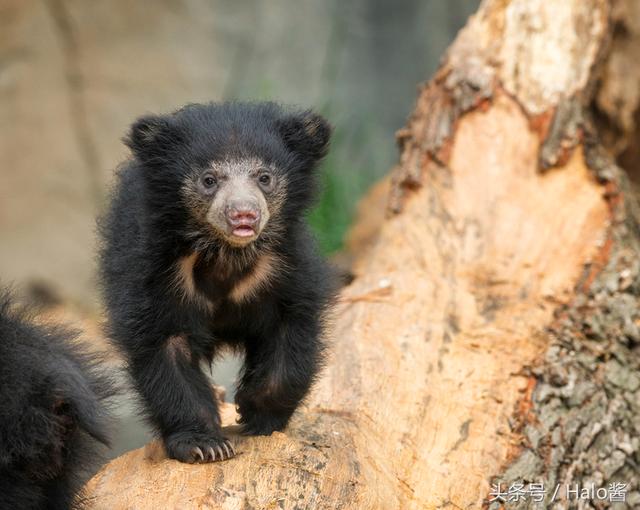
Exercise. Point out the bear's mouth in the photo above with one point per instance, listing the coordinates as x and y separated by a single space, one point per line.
243 231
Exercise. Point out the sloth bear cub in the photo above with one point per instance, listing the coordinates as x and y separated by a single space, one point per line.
205 245
53 414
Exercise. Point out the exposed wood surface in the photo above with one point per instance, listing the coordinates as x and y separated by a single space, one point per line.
434 340
430 343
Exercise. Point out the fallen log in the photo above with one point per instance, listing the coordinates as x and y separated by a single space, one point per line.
483 340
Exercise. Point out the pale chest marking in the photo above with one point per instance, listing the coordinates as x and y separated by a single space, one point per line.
186 284
257 279
246 288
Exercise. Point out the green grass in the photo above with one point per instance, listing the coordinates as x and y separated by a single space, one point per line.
332 216
355 161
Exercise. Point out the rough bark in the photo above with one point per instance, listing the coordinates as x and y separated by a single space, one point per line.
491 332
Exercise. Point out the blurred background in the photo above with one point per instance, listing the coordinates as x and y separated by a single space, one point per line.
74 74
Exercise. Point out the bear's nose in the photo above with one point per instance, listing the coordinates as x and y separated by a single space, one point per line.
242 214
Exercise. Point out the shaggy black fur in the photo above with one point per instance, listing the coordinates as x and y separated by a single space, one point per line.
167 328
53 414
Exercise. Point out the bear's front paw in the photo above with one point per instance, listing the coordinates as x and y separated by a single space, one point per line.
263 424
194 447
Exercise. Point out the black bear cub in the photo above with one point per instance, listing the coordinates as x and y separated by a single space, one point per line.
206 245
53 413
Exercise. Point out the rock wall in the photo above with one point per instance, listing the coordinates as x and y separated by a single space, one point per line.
73 75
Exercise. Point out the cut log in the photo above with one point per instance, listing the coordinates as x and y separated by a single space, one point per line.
476 330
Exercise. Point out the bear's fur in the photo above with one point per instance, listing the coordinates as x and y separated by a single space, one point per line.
206 245
53 413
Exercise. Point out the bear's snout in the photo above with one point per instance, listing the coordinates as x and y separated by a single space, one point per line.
243 218
243 213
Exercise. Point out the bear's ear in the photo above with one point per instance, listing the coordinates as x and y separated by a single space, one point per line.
152 136
307 134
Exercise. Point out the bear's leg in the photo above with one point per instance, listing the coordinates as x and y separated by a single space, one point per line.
181 403
277 375
59 493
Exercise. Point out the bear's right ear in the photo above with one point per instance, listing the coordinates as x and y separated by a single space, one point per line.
151 137
307 134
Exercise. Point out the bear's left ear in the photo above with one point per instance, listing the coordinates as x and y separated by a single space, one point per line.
152 137
307 134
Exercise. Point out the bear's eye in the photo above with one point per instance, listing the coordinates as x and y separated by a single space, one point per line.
209 181
265 180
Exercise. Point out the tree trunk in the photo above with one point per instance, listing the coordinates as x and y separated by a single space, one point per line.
491 333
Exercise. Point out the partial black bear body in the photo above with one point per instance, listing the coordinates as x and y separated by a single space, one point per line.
53 414
206 245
